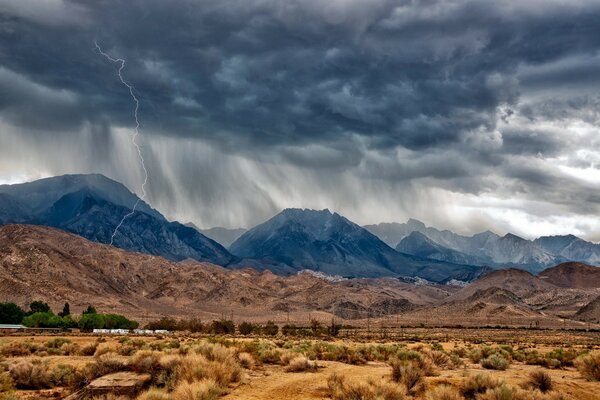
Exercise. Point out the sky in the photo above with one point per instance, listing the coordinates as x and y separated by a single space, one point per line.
467 115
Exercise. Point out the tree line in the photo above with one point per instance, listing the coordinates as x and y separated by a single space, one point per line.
40 315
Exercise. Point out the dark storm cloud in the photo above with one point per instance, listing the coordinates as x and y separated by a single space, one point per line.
445 91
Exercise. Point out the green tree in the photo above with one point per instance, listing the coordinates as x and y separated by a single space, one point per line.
91 321
90 310
246 328
10 313
43 320
66 310
39 306
270 328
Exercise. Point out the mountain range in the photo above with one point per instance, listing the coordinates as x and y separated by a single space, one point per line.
54 266
327 242
92 206
486 248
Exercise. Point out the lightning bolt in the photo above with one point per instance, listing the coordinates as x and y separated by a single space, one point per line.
134 137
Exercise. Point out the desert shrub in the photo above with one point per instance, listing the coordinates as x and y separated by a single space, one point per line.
408 374
477 384
270 329
501 392
443 392
126 350
56 343
70 349
335 382
27 375
62 375
155 394
104 349
194 367
104 365
246 360
495 362
440 359
169 372
8 396
146 361
89 349
6 382
540 380
460 352
354 391
201 390
246 328
388 391
301 364
15 349
589 366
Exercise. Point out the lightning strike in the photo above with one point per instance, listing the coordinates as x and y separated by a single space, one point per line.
134 136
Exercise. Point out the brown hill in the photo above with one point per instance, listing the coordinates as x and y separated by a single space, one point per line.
590 312
572 275
54 266
517 281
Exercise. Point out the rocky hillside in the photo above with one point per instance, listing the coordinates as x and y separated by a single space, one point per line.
573 275
55 266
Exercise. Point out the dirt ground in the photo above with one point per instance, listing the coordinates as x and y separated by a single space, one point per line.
273 382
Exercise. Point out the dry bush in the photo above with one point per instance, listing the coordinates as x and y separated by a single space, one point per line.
408 374
169 372
246 360
354 391
194 367
104 349
589 366
495 362
6 382
443 392
440 359
146 361
335 382
477 384
15 349
62 375
205 389
540 380
30 376
389 391
301 364
155 394
70 349
501 392
57 343
88 349
126 349
104 365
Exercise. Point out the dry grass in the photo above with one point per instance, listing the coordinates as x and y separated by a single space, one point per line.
301 364
589 366
476 385
495 362
408 374
205 389
246 360
443 392
27 375
155 394
540 380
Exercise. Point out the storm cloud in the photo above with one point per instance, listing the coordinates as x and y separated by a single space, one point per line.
466 114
